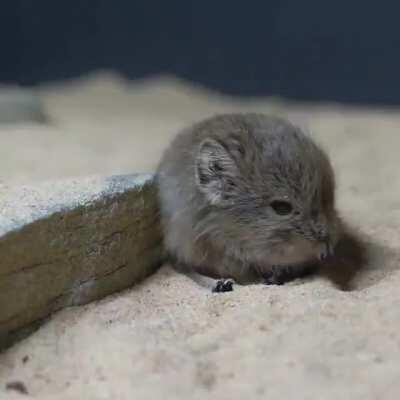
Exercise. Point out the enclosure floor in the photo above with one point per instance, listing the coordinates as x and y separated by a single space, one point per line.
170 338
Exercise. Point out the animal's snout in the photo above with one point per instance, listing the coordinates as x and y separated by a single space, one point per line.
326 250
321 233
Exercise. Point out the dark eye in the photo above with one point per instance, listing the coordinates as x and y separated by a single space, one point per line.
281 207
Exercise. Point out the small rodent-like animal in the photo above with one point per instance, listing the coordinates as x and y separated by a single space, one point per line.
247 197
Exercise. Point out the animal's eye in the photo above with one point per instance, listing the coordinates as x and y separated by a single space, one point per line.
281 207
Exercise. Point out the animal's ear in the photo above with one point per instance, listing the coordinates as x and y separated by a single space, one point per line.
216 172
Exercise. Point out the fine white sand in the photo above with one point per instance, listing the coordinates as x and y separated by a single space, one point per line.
169 338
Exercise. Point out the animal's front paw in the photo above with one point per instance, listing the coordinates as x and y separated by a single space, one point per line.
275 277
223 285
273 280
279 275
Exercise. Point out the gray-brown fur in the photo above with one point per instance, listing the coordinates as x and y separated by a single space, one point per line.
217 183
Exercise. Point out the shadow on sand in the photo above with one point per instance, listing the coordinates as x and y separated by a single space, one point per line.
360 262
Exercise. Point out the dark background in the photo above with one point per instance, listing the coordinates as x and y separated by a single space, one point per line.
311 50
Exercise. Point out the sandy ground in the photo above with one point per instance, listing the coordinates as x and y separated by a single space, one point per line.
170 338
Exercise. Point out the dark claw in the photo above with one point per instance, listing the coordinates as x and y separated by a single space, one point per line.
223 285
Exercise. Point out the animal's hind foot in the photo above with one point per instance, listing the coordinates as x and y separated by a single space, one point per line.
223 285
